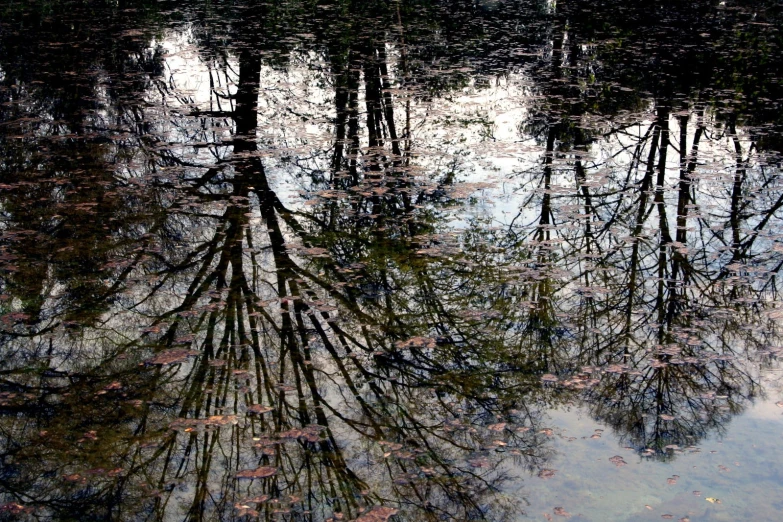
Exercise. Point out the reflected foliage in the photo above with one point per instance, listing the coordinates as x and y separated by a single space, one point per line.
250 268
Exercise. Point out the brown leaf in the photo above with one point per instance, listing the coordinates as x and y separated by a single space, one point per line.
262 472
377 514
173 356
393 446
618 461
316 252
416 342
189 425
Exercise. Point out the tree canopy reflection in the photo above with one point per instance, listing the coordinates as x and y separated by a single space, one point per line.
208 315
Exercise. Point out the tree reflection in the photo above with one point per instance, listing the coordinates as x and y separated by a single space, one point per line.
648 255
182 337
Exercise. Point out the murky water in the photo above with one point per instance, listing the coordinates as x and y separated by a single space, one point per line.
391 260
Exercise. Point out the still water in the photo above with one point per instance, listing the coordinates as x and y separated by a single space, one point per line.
391 260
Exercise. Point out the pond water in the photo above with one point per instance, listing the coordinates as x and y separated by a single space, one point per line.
391 260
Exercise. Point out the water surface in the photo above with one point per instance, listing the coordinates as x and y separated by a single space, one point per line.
332 260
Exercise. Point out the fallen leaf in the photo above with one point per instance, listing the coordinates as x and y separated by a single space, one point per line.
262 472
258 409
416 342
190 425
173 356
378 514
618 461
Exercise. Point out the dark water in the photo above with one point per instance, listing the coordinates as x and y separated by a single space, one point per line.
391 260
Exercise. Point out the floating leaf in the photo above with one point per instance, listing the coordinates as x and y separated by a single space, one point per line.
262 472
618 461
258 409
173 356
378 514
212 421
316 252
15 508
416 342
